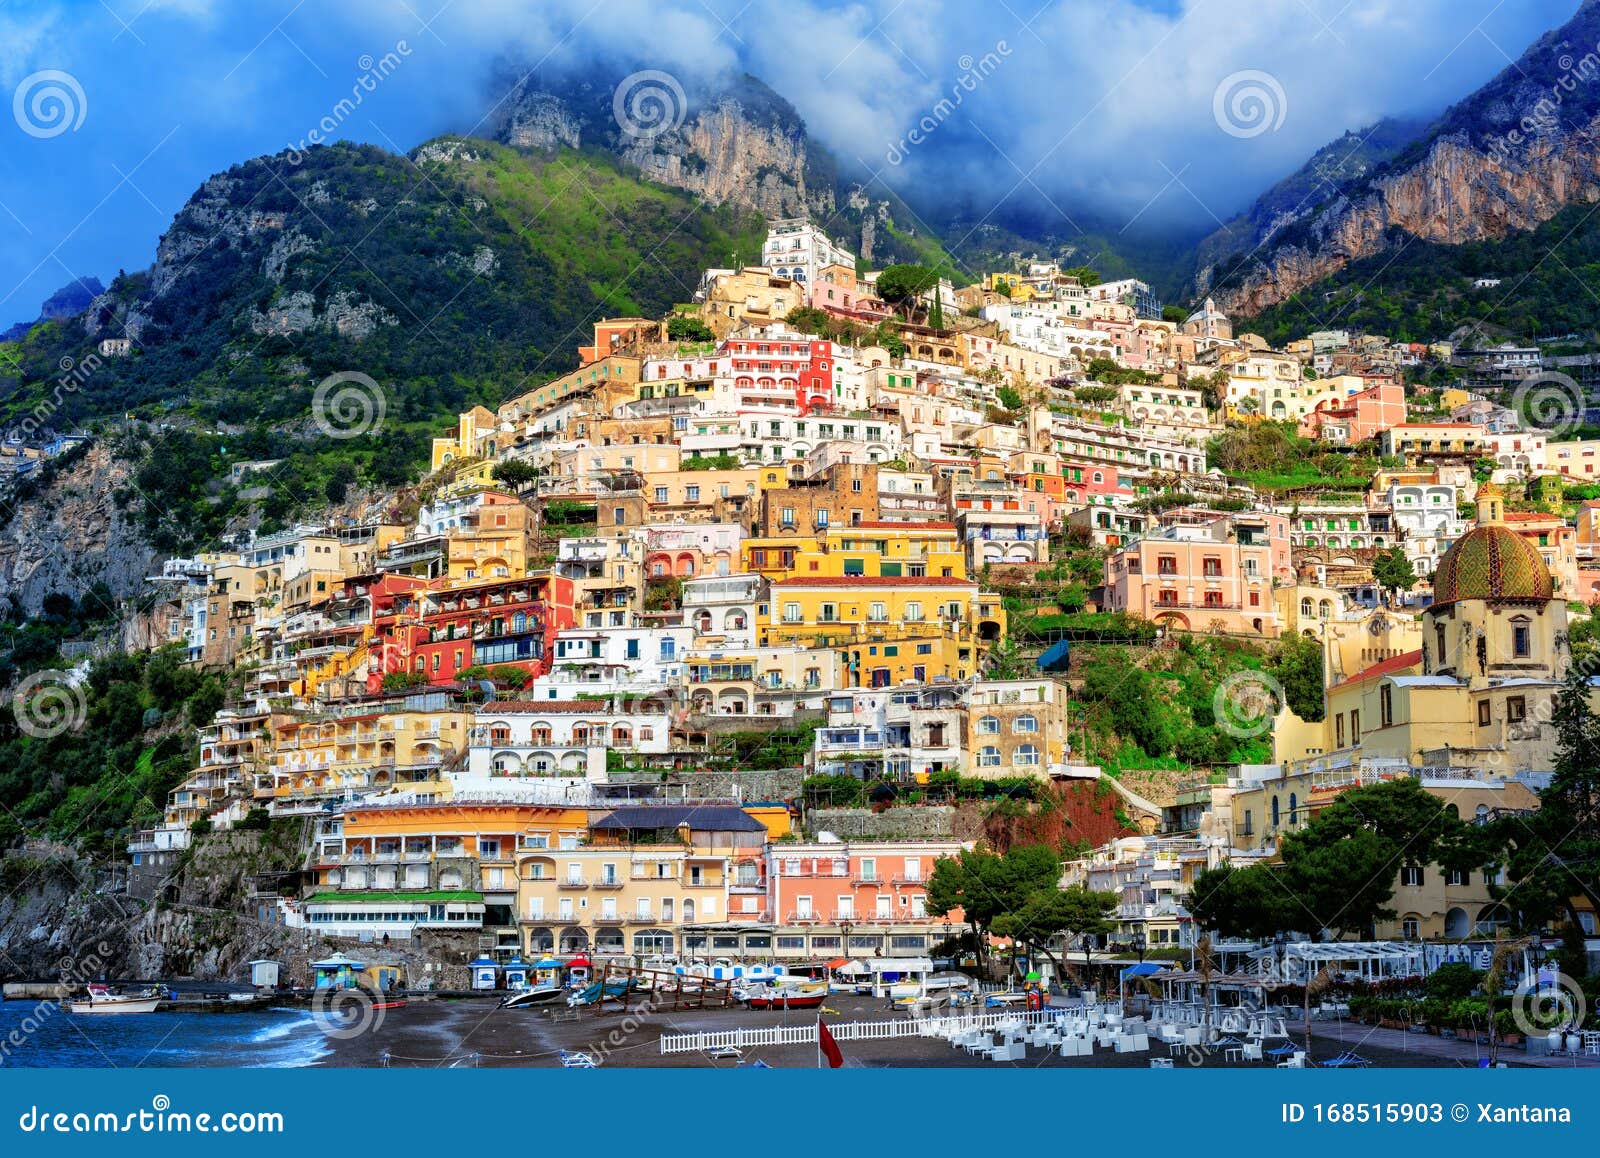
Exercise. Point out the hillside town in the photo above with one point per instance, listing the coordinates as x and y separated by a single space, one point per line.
717 645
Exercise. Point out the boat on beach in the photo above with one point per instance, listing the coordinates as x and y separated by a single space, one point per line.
788 993
530 997
102 999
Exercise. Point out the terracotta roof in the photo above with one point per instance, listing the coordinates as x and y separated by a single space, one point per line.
1390 666
874 581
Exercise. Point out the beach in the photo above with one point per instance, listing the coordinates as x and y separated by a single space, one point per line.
469 1033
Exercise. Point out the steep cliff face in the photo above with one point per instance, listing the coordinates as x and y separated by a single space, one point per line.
1506 159
736 143
725 155
73 534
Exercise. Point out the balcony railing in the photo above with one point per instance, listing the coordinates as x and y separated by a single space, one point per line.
572 883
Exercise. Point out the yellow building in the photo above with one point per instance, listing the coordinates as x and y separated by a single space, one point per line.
1479 691
889 629
1429 902
870 549
645 876
317 758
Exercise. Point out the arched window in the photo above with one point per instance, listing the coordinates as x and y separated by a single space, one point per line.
988 725
1305 608
519 621
621 736
1294 808
1274 812
1025 724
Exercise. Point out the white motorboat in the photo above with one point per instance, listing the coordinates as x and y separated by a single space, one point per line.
102 1000
536 996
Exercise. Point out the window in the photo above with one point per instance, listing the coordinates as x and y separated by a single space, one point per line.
791 613
692 494
1338 730
1025 724
1027 755
988 756
988 725
913 612
1485 714
1386 705
1411 876
1521 638
1516 709
1458 877
1211 567
1410 928
829 613
1355 727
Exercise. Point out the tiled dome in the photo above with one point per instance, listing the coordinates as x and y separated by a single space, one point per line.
1492 562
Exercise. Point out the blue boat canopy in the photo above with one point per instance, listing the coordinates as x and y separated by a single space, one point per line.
1142 969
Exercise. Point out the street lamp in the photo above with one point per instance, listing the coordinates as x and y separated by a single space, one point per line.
1280 945
1138 944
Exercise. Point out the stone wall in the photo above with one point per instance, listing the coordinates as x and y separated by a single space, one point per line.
783 784
890 824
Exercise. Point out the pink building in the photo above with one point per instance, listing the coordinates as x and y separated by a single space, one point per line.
871 895
1202 571
1362 416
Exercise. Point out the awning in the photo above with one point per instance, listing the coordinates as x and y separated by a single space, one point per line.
1141 969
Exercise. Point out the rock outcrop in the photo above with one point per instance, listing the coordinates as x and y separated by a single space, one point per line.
1508 158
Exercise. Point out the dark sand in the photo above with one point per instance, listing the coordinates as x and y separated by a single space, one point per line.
467 1033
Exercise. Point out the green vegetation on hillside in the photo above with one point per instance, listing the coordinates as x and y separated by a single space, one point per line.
1418 291
127 740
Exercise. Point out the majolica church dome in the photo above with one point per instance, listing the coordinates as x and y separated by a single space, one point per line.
1492 563
1495 615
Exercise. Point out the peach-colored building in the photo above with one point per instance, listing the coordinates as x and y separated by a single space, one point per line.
1202 575
871 895
1361 416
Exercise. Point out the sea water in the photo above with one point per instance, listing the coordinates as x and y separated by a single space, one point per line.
44 1034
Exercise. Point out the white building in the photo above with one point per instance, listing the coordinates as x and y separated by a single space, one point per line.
795 248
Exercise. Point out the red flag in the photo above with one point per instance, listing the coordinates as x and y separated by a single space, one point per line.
829 1047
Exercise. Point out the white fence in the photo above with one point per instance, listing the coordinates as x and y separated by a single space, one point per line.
806 1034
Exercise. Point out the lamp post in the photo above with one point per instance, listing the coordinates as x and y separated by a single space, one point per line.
1138 944
1280 945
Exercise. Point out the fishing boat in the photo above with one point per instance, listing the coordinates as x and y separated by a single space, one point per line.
788 993
102 999
535 996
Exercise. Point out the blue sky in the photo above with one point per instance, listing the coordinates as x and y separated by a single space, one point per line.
1107 105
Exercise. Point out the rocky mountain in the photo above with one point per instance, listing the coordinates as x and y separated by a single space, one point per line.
68 301
733 142
1506 159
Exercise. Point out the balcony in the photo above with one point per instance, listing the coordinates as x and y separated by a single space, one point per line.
572 883
603 883
609 919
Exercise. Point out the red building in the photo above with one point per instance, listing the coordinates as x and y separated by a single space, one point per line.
785 362
441 631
